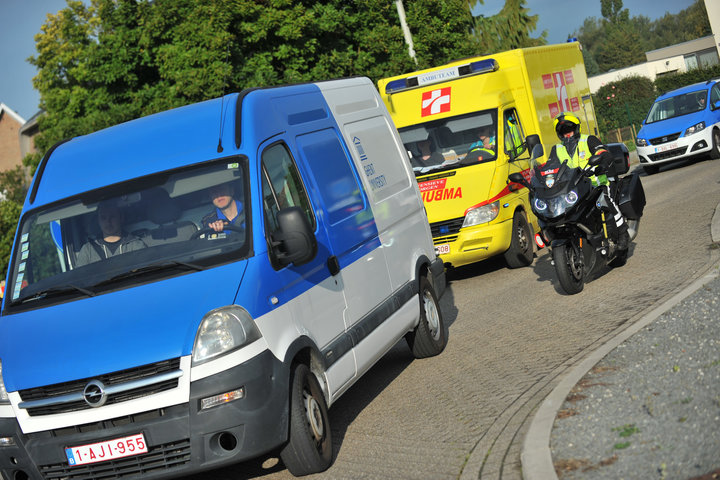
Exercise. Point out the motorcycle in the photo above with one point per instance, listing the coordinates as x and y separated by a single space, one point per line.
572 213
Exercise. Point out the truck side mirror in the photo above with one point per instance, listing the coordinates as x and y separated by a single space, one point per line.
294 242
532 142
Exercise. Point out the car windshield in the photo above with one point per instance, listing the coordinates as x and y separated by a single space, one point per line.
451 142
132 232
678 105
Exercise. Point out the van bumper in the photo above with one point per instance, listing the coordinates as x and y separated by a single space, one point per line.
181 439
683 148
474 244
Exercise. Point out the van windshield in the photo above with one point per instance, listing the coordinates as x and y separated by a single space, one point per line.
452 142
137 231
678 105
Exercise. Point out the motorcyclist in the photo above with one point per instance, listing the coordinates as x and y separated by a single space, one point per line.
577 149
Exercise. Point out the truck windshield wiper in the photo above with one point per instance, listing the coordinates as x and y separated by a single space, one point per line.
154 267
54 291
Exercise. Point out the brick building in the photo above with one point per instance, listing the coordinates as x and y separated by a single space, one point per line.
10 125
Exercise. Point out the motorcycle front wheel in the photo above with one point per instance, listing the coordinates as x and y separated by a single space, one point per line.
570 267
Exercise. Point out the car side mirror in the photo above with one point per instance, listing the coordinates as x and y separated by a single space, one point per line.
533 141
518 178
294 241
715 105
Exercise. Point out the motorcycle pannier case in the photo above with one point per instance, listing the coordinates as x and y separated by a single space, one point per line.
631 197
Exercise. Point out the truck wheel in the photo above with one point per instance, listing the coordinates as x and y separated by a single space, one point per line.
715 152
309 449
520 253
569 267
429 338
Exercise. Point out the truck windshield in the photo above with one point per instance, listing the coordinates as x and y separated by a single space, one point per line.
453 142
132 232
678 105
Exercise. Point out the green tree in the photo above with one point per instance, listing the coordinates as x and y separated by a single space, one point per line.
624 102
13 184
9 214
507 30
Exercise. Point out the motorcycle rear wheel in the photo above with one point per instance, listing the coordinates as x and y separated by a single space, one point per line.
569 267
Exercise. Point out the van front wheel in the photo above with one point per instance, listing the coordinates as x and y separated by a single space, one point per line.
429 337
309 449
520 253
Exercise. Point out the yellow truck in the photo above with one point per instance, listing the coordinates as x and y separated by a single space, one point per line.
464 126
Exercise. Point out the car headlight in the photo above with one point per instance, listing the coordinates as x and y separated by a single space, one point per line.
222 331
484 214
641 142
3 393
540 205
695 129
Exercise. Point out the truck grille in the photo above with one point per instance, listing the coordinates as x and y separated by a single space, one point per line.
446 228
75 388
159 458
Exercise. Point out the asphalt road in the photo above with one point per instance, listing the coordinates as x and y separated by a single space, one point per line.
512 333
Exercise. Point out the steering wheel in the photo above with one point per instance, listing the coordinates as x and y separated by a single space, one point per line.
207 230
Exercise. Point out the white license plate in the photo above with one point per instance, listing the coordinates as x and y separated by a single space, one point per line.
670 146
442 249
107 450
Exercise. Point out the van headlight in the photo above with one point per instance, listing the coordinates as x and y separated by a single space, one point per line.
640 142
694 129
3 393
223 330
484 214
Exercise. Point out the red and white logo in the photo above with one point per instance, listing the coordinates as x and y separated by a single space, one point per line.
559 81
435 101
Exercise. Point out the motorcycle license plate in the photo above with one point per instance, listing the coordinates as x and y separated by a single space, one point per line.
442 249
107 450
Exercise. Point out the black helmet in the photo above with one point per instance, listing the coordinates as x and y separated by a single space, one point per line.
566 122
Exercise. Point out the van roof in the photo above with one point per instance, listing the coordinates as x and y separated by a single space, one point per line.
689 88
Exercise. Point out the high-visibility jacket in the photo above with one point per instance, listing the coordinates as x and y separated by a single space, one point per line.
580 158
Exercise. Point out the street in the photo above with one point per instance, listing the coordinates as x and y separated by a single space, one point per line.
464 413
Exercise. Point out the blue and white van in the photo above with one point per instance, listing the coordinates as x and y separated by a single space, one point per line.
681 124
166 346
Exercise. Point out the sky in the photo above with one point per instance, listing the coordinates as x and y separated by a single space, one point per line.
20 21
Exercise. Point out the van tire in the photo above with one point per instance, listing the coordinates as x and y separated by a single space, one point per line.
520 253
715 152
429 337
309 449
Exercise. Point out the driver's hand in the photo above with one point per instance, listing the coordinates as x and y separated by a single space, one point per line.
217 225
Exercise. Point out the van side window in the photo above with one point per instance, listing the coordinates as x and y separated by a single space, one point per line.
715 94
514 135
281 185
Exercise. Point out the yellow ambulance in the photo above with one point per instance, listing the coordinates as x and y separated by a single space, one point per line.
464 126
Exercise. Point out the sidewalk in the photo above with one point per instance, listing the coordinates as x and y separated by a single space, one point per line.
644 405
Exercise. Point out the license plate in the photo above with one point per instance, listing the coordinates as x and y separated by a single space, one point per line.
107 450
663 148
442 249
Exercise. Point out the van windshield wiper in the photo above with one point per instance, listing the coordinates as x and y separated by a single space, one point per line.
152 268
54 291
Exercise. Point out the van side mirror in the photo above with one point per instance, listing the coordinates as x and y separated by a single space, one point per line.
294 242
715 105
532 142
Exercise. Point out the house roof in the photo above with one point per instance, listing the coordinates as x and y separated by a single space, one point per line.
5 109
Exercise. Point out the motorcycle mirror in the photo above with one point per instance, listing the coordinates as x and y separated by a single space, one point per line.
594 160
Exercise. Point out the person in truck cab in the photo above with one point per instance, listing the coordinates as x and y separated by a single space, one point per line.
228 210
484 147
577 149
113 240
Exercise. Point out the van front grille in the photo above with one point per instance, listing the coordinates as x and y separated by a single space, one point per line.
159 458
668 154
445 228
75 388
664 139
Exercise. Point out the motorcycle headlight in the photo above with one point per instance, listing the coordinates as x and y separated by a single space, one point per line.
641 142
571 198
540 205
3 393
695 129
484 214
222 331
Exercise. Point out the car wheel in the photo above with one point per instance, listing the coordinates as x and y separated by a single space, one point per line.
520 253
309 449
715 152
429 337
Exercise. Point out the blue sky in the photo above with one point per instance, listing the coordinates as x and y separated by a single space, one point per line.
20 20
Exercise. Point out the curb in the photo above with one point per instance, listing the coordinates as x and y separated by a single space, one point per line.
535 457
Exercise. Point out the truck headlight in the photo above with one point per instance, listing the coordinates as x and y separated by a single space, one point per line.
223 330
484 214
694 129
3 393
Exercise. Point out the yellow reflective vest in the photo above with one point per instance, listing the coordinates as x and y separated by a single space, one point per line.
580 158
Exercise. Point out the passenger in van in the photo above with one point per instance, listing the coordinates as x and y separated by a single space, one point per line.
228 210
114 240
429 157
701 101
484 147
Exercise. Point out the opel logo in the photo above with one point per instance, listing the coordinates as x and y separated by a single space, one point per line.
94 394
